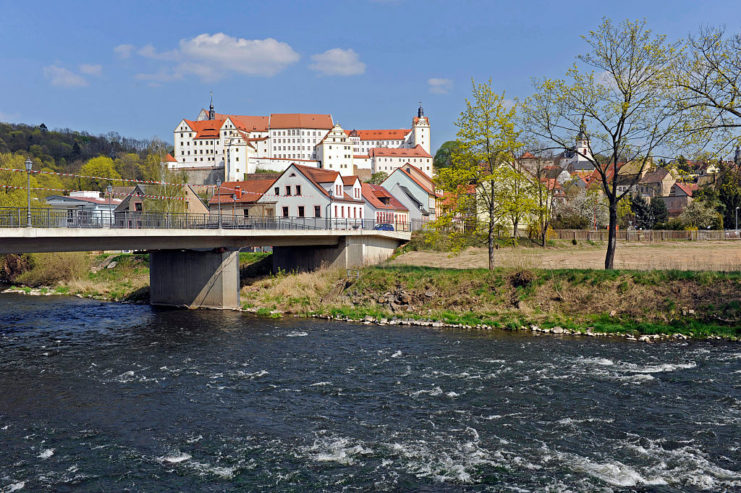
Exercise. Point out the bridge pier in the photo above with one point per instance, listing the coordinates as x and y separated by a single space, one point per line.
351 251
194 279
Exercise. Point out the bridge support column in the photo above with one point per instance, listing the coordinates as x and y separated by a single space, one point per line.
351 251
194 279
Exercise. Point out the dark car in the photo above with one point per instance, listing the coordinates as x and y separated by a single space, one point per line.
384 227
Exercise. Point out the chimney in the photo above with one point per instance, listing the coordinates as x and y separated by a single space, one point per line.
238 192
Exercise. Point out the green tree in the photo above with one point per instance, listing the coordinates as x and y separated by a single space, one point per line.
444 155
659 211
701 215
378 178
488 139
102 172
625 105
516 196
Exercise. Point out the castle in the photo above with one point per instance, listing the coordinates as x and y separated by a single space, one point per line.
240 144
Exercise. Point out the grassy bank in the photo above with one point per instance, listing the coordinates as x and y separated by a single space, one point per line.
641 302
692 303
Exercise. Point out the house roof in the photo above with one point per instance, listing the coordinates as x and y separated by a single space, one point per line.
84 200
424 184
300 120
656 176
374 195
527 155
390 134
349 180
317 176
251 191
687 188
417 151
249 123
170 159
205 129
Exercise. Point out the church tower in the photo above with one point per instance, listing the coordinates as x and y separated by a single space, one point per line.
582 144
421 130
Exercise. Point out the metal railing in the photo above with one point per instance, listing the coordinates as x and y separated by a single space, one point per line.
648 235
16 217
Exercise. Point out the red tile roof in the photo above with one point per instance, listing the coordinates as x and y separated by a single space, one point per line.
300 120
527 155
170 159
251 191
375 194
317 176
417 151
206 129
349 180
393 134
424 181
687 188
249 123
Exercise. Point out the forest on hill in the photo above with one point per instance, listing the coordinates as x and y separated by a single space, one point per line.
110 158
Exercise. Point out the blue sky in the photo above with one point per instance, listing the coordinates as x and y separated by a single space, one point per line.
138 67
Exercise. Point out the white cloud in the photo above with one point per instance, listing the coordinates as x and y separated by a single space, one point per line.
439 86
337 62
123 51
87 69
62 77
214 56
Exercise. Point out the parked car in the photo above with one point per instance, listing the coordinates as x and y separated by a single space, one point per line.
384 227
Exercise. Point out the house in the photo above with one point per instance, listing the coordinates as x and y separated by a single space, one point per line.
241 198
415 190
657 183
307 192
85 208
680 196
382 207
170 199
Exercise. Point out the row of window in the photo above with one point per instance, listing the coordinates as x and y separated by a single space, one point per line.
340 212
296 188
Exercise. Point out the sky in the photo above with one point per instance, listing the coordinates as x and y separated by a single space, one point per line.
139 67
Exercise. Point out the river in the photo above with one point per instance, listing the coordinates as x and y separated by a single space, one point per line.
107 397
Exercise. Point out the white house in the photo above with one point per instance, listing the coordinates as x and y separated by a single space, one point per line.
85 208
307 192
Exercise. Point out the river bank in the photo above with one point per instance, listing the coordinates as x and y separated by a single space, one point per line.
645 305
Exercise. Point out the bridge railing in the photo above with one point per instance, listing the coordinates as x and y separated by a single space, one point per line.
14 217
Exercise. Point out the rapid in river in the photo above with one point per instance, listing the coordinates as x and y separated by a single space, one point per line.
108 397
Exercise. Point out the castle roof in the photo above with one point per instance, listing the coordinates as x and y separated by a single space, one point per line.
389 134
417 151
300 120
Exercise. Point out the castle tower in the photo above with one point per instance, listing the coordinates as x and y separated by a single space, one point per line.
211 112
421 129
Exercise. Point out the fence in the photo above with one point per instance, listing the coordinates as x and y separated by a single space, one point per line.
647 235
14 217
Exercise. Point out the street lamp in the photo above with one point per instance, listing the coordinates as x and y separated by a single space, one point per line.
29 166
218 198
109 189
737 208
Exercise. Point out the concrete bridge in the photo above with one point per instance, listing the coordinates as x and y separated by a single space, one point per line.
194 259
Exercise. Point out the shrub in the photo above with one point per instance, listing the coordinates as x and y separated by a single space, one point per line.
521 278
48 269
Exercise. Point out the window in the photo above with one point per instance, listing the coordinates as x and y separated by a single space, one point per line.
335 211
301 211
276 190
298 189
288 190
317 211
138 206
285 212
246 213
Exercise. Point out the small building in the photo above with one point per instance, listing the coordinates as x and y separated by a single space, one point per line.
680 196
85 208
383 207
241 198
307 192
157 199
415 190
657 183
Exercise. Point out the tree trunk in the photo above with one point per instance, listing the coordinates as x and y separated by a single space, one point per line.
515 228
543 233
491 244
611 235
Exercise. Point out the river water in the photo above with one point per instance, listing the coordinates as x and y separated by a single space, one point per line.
108 397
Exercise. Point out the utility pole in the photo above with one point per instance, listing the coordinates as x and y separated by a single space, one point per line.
218 198
29 166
